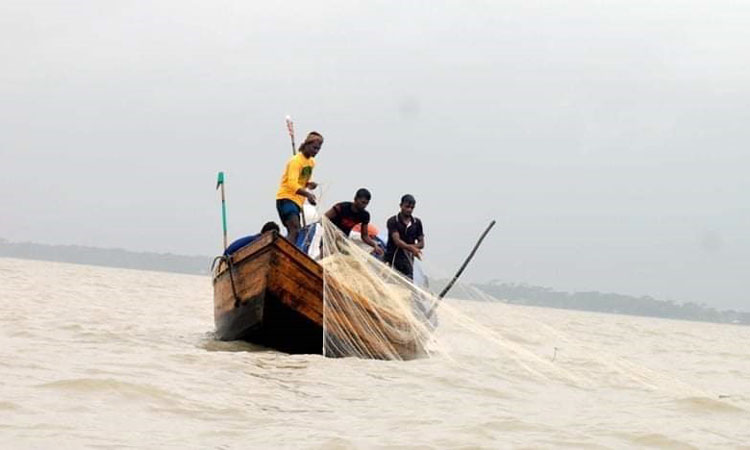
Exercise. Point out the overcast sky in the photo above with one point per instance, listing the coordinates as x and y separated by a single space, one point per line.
610 140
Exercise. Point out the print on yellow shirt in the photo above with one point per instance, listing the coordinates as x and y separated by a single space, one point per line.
297 173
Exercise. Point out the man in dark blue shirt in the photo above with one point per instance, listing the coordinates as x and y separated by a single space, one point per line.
243 241
405 238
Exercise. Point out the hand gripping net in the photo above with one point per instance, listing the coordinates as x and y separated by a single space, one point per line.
370 310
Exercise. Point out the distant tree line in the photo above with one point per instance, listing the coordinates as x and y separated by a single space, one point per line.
163 262
524 294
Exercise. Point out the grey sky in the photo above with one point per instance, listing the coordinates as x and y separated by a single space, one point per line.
609 139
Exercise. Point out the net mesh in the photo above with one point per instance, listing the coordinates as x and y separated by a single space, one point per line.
370 310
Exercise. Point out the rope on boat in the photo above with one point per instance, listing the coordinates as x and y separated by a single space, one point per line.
228 261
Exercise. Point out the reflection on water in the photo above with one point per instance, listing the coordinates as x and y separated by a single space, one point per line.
93 356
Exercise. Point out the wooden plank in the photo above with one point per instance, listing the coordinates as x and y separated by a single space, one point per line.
250 280
296 288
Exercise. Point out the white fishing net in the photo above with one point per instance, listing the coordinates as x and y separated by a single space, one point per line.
370 310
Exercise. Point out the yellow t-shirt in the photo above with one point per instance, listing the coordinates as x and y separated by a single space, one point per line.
296 175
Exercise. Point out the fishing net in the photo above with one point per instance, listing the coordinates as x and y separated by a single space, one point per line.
369 309
372 311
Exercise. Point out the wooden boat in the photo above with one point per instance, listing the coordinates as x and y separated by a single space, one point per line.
273 296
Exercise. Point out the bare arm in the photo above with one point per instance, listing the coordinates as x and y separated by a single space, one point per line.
404 246
420 238
308 195
294 180
368 240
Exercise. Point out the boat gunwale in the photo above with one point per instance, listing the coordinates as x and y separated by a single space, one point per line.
268 241
272 240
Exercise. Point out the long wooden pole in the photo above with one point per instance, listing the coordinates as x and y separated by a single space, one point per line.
471 255
290 129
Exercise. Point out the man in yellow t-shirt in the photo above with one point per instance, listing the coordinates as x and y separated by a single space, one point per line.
294 184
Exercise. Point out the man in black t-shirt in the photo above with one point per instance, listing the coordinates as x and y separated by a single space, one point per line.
346 215
405 238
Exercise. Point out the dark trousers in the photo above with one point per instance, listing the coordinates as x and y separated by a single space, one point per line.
403 264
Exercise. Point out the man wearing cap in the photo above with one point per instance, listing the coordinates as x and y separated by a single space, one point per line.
295 182
345 215
405 238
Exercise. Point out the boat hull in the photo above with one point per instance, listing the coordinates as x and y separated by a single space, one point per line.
274 297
